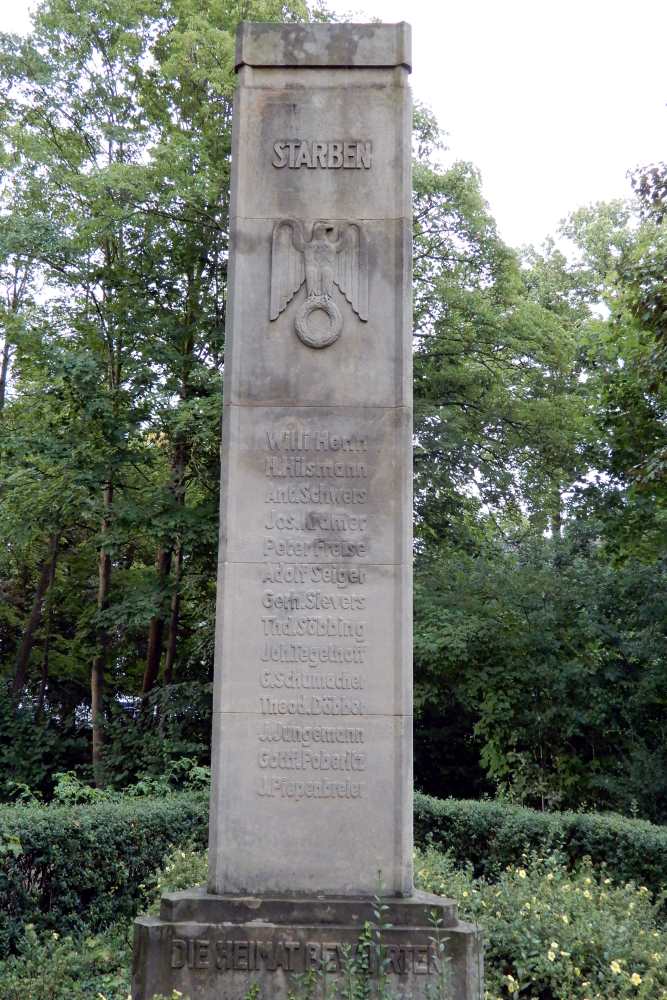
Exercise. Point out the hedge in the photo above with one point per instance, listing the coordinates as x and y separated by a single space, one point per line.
74 868
81 868
492 835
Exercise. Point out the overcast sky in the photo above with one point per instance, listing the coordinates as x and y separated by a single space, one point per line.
553 100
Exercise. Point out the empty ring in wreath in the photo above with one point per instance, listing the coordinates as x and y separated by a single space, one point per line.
318 322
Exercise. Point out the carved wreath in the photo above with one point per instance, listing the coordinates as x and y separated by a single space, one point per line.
322 254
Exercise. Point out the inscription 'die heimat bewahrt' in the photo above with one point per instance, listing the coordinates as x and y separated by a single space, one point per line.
247 955
313 623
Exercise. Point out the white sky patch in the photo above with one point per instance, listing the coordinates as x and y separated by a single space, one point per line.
553 101
15 16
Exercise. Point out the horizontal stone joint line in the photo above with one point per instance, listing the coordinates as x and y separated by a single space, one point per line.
366 715
363 218
309 406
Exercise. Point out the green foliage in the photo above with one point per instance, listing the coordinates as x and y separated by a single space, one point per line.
81 868
182 869
557 655
49 966
33 747
556 934
553 931
490 836
148 739
115 131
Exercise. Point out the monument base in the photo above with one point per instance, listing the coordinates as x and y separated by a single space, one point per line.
229 947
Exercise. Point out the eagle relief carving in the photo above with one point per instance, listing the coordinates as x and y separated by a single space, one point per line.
322 254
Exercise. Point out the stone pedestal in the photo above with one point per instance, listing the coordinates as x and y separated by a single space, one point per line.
209 946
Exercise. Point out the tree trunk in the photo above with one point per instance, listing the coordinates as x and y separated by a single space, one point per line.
174 618
45 672
46 576
156 627
557 514
99 662
47 641
177 489
165 552
4 370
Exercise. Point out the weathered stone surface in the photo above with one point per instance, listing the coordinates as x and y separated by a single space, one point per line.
210 946
327 45
312 765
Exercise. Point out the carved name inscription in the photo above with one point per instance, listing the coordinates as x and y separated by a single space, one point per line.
314 643
331 154
247 955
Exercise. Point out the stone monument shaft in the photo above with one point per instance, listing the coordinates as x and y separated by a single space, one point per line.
312 754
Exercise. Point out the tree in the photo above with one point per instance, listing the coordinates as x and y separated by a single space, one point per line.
120 118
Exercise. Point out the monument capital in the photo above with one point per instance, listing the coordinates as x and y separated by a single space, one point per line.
326 46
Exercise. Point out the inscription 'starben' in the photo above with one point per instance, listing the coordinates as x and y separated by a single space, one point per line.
321 254
330 155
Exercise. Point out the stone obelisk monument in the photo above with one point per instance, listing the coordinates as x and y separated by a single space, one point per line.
311 805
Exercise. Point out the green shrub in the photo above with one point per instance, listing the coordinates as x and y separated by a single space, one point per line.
34 747
81 868
550 934
492 835
182 869
51 967
556 934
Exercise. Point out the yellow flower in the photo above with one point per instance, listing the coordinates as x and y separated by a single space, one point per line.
577 970
615 967
521 872
587 894
554 945
551 955
564 917
636 979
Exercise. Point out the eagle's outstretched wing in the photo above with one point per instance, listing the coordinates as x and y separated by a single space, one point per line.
288 271
352 269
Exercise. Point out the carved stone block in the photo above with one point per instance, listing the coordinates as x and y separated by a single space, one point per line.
218 947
